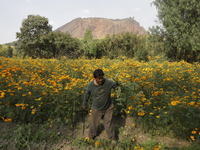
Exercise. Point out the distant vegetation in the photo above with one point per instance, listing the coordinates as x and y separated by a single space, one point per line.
177 39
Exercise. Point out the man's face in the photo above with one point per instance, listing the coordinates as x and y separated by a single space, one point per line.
99 80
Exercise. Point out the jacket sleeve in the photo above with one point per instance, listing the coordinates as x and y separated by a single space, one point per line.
86 96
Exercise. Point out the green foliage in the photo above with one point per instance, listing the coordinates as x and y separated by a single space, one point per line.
26 135
89 46
60 44
29 36
9 51
155 41
180 23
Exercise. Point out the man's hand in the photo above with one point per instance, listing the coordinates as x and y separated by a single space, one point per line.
118 83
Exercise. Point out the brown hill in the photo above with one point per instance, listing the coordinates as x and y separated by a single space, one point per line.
101 27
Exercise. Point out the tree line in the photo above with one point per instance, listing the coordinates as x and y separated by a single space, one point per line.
177 37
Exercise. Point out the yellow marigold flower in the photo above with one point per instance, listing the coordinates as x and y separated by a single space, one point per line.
165 112
133 124
112 95
133 140
136 136
97 143
151 113
8 120
87 139
2 95
3 75
191 103
66 101
23 94
194 132
173 103
192 137
196 129
29 93
156 93
17 105
19 88
157 116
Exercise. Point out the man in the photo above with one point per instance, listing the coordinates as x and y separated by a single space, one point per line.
102 106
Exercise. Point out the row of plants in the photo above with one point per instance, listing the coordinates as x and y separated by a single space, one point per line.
162 96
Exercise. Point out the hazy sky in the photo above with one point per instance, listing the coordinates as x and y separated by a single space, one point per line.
60 12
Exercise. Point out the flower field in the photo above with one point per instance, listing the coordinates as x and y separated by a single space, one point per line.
162 96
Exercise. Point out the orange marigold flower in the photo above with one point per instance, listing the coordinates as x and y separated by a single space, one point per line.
29 93
97 143
192 137
17 105
173 103
19 88
151 113
8 120
23 107
194 132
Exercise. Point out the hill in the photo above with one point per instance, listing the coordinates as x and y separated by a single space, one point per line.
101 27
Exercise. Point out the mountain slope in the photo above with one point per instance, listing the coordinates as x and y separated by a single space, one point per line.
101 27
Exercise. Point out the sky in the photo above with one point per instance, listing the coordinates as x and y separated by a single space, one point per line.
60 12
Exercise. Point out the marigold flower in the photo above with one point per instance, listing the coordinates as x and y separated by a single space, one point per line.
17 105
2 95
173 103
156 93
194 132
29 93
8 120
87 138
151 113
23 108
157 116
192 137
19 88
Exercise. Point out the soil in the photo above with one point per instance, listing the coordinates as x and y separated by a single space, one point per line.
125 124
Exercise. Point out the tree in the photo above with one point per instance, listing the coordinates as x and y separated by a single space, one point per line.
61 44
29 36
9 51
89 44
180 21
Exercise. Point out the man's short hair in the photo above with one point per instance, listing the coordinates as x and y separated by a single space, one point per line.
98 73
